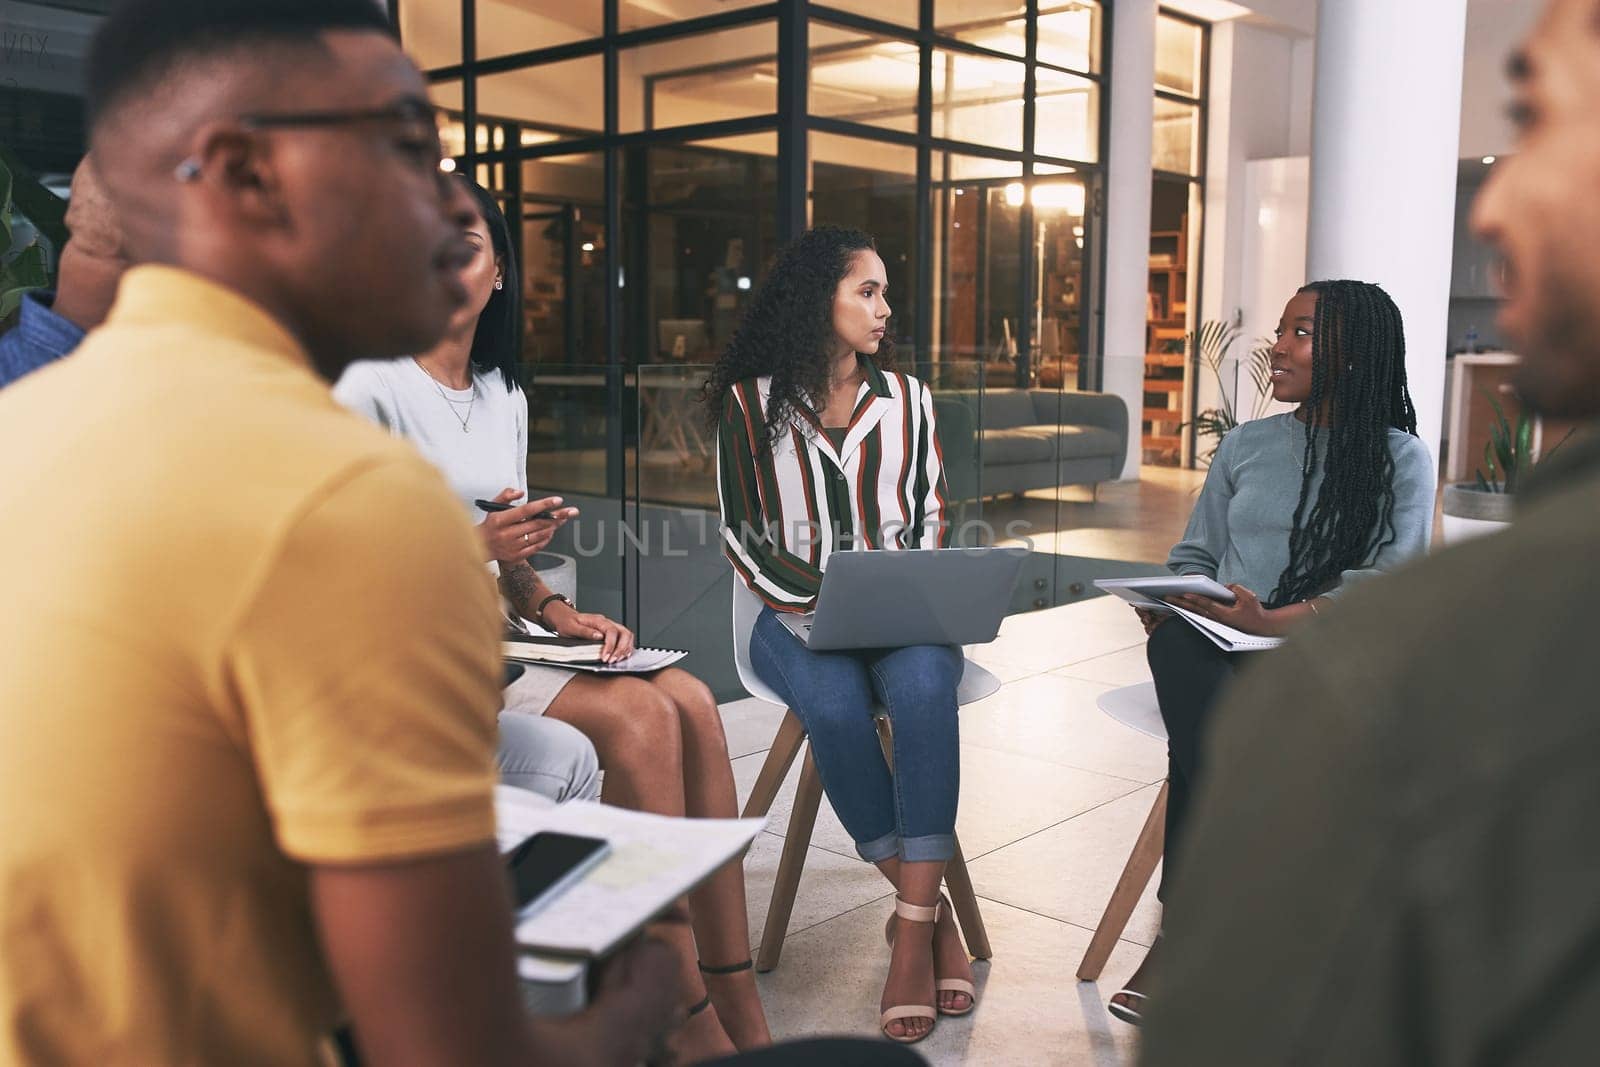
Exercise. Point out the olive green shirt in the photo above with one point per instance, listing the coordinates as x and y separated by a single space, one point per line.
1394 858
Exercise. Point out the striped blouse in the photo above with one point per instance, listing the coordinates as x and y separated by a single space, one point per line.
785 512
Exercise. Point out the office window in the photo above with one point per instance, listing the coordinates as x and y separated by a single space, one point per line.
1175 144
862 78
1069 34
977 99
977 284
1178 55
1066 116
899 12
431 30
872 186
709 77
550 102
699 228
642 14
998 24
562 210
506 26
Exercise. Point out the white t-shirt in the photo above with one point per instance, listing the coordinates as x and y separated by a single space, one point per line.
478 462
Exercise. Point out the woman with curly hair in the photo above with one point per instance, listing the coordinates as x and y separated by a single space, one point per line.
1296 507
823 447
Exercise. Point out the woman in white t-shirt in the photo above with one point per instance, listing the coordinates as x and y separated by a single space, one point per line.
659 736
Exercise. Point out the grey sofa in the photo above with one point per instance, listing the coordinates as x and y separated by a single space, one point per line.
1014 440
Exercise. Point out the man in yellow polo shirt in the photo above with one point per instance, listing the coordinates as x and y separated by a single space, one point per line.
248 656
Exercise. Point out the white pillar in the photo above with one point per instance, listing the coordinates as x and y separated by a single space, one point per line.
1128 176
1385 133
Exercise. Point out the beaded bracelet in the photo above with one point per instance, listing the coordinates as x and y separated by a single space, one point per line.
538 614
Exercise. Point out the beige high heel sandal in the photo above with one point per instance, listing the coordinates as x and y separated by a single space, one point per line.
918 914
940 985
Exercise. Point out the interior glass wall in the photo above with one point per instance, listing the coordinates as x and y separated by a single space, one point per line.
1177 157
649 201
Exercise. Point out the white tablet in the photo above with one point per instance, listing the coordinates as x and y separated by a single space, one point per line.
1148 592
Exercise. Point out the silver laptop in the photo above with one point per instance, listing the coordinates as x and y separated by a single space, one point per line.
925 596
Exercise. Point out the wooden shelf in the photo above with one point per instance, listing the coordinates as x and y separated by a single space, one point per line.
1163 385
1162 415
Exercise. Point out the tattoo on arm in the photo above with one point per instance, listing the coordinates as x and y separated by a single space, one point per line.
522 586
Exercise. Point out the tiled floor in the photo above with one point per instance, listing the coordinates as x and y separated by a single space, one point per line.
1052 795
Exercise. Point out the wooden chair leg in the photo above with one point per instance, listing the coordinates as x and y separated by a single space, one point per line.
780 757
1135 876
963 898
965 902
807 796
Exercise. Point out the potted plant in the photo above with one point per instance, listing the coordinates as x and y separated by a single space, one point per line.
1483 506
31 217
1208 346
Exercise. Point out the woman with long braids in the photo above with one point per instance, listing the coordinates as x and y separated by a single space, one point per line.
1295 508
822 447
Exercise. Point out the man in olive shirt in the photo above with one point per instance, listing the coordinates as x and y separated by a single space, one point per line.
1395 858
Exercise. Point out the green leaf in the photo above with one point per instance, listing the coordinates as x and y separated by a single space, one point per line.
44 209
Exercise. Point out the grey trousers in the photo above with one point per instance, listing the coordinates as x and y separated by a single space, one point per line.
547 757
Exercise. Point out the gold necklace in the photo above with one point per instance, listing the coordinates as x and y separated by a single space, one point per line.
447 398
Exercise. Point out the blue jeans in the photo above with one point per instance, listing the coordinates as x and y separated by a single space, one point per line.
911 814
548 757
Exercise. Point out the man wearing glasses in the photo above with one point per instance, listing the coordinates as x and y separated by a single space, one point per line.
248 658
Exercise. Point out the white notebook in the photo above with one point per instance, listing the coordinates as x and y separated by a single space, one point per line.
1224 637
654 860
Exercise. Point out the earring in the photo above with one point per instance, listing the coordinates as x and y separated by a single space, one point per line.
499 283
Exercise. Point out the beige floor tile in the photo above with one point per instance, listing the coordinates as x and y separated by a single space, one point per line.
750 725
1127 667
1003 671
1004 797
1068 871
1031 1010
1054 718
1056 637
830 886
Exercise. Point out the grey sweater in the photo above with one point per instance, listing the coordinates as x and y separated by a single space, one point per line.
1239 530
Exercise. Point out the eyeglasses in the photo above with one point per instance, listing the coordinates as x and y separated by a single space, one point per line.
423 142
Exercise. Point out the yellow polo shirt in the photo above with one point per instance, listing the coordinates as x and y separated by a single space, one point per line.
243 632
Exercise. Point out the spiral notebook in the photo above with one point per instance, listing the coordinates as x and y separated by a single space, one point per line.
1223 636
643 659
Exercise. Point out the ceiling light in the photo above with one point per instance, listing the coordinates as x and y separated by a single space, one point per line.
1068 197
1488 160
447 165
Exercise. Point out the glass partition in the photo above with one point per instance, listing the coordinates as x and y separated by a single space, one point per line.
710 77
506 26
699 228
863 78
574 441
872 186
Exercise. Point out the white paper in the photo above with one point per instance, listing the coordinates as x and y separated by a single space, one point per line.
639 661
1227 637
654 860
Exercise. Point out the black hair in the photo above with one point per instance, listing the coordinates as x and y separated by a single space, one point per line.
787 331
1358 366
497 342
141 41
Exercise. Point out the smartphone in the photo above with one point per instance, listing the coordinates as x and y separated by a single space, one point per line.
547 863
491 505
